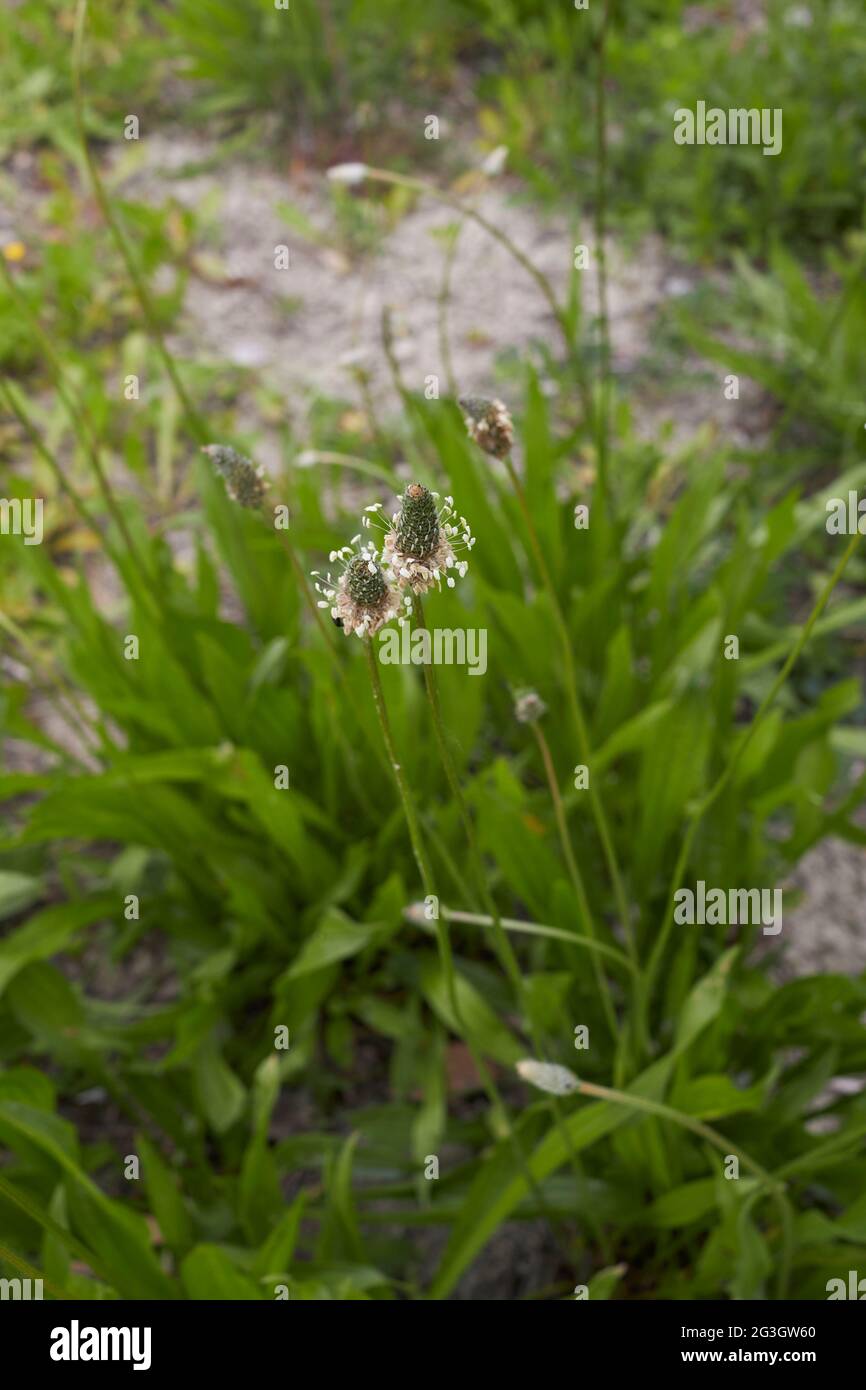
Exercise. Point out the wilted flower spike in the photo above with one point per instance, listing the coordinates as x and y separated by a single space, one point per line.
548 1076
245 481
420 545
362 600
489 423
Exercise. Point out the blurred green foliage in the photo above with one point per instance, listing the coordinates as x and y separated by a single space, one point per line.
350 74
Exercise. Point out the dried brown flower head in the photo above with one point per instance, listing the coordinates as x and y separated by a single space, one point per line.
489 423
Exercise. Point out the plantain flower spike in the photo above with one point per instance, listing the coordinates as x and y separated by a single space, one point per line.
489 423
423 539
361 599
245 481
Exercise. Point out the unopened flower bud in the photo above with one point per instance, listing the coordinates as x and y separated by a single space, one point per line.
548 1076
347 173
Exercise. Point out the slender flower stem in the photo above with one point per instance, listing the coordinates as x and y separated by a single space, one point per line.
443 305
504 948
603 412
196 423
45 453
386 333
412 823
443 940
775 1188
509 960
648 979
678 1117
421 856
514 924
575 875
80 424
81 507
353 463
64 697
301 576
383 446
577 714
430 190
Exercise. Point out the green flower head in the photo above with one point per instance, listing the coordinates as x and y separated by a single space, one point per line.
423 541
362 599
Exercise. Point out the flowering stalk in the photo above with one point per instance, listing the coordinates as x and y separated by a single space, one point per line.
247 485
388 348
195 420
489 424
142 293
603 411
418 848
419 550
443 303
362 602
359 173
522 927
770 1186
443 940
531 715
504 948
62 695
82 426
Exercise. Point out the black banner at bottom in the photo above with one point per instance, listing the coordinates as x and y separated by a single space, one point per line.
83 1340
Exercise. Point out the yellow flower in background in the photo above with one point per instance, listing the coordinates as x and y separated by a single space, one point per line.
15 251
